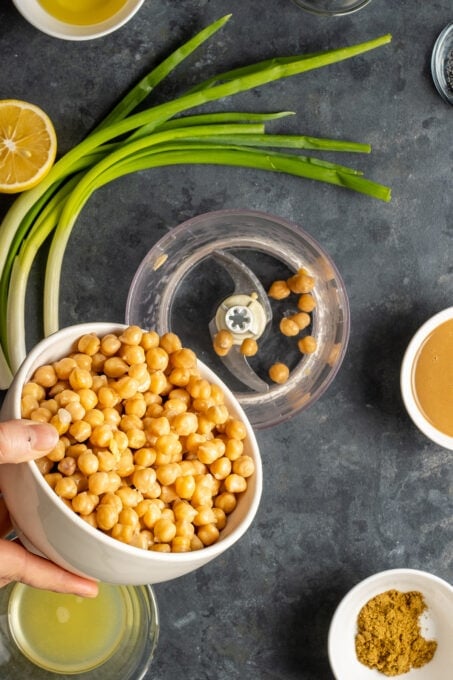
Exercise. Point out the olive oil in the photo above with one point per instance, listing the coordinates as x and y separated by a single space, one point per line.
82 12
66 633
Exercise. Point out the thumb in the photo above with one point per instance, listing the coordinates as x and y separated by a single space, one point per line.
22 440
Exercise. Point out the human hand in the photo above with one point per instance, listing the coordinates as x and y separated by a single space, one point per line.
22 440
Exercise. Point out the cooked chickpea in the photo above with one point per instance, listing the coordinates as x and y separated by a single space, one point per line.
135 406
89 344
196 543
288 326
306 303
150 517
41 415
98 483
226 501
235 483
218 414
44 465
180 376
52 478
66 488
279 373
58 452
249 347
244 466
80 430
208 534
220 518
142 540
185 486
88 463
161 547
233 448
45 376
129 516
307 345
158 382
223 342
80 378
88 398
184 358
94 417
170 342
129 497
235 428
180 544
106 516
115 367
125 387
143 479
204 515
140 373
97 362
301 282
84 503
220 468
157 359
101 435
110 344
28 404
144 457
61 421
126 465
133 355
185 423
110 498
123 532
279 290
149 339
164 531
108 415
33 390
132 335
208 452
302 319
67 466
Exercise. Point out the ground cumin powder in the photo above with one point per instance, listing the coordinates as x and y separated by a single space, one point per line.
389 637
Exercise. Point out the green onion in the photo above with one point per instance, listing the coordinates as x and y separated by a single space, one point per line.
164 134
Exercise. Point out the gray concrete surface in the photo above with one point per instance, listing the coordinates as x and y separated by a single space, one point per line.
350 486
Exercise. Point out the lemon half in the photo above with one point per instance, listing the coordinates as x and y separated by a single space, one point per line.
28 145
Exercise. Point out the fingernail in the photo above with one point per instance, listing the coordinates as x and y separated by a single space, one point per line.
42 437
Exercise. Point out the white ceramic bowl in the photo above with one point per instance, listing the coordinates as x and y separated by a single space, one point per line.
437 624
36 15
407 379
45 525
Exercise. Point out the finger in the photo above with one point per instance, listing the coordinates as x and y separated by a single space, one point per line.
17 564
5 522
22 440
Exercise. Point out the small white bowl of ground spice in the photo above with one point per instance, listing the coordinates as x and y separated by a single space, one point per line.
397 623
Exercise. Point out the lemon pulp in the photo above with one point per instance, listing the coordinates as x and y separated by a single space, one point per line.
82 12
66 633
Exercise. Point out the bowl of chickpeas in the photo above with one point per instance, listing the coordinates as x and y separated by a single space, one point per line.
157 470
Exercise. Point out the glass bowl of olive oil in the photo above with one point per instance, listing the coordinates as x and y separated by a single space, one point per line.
81 20
50 635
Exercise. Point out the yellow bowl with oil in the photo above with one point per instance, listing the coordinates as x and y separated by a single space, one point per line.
46 634
82 20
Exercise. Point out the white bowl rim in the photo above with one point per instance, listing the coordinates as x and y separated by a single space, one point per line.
406 378
37 16
155 556
375 578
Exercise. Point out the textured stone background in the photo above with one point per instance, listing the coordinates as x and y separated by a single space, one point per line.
350 486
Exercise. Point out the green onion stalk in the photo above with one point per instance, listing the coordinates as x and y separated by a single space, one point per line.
126 142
